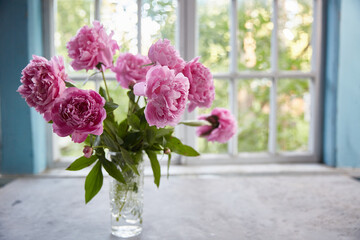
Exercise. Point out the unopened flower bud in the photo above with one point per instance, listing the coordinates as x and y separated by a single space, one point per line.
167 151
88 151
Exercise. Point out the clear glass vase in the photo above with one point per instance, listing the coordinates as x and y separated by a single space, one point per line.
126 200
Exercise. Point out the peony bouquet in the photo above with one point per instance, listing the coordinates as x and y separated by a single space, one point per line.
161 86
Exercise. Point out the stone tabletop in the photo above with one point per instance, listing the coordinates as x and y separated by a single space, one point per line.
189 207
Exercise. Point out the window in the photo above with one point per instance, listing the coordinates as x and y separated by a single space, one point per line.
264 55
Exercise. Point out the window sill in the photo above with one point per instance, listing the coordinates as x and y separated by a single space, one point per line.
240 169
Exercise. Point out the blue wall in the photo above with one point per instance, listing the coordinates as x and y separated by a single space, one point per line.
342 84
348 104
332 38
23 147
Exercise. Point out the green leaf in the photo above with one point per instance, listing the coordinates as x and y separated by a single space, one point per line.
195 123
132 139
138 157
155 147
102 93
113 171
122 129
89 139
164 132
93 182
134 121
69 84
155 165
110 107
129 160
131 96
109 142
82 162
119 139
97 140
176 146
50 121
111 127
150 135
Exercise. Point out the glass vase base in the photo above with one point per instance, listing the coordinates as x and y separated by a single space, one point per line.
126 231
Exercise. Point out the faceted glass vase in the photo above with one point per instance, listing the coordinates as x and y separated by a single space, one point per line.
127 201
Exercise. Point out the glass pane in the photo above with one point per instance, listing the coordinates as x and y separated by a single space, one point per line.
221 100
254 37
118 94
68 148
295 26
70 16
121 17
253 114
214 34
293 114
158 19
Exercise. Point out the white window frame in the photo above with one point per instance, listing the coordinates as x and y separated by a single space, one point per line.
186 42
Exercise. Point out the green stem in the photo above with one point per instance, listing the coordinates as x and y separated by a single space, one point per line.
106 88
99 147
136 103
122 206
146 65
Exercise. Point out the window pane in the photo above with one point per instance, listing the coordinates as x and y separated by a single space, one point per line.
295 26
254 37
157 22
119 95
221 100
121 17
293 114
253 114
214 34
70 16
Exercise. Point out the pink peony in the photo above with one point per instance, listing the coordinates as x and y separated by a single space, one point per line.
88 151
202 90
92 46
129 69
78 113
167 96
42 82
163 53
223 126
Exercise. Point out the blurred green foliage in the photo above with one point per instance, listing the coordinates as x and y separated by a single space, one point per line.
163 12
254 46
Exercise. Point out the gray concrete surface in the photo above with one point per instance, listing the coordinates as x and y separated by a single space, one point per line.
190 207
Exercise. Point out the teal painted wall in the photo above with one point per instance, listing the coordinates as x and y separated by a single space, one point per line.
332 37
23 147
348 104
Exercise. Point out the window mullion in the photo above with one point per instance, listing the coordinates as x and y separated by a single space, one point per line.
97 10
316 84
186 39
139 3
272 144
232 147
49 14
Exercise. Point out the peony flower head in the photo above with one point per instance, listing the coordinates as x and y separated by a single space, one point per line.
163 53
78 113
167 95
202 90
129 70
42 82
92 46
223 126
